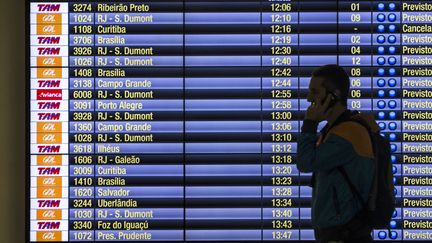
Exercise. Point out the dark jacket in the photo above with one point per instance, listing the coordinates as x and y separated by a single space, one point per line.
346 144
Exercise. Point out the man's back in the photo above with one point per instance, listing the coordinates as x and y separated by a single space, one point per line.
347 144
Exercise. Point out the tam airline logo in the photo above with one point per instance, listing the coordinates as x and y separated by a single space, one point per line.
47 203
48 83
48 225
48 105
48 7
50 51
48 148
48 40
49 170
48 116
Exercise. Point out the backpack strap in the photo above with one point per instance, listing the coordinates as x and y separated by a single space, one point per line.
342 170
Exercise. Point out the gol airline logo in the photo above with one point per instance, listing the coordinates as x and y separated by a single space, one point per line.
49 138
48 236
49 159
49 72
48 29
49 61
49 214
49 127
49 181
48 18
49 192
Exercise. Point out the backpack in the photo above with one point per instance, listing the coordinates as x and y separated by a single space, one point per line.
378 210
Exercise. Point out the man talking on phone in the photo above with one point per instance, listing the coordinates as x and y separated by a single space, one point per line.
341 143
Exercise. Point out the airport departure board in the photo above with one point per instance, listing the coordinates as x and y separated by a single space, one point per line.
169 120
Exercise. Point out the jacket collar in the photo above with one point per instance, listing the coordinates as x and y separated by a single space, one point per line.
342 117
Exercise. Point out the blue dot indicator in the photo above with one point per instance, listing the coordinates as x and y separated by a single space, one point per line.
381 93
393 235
392 137
380 82
392 104
382 235
382 125
392 93
392 17
392 28
392 6
394 213
394 180
392 71
381 71
381 50
393 147
381 28
393 158
381 39
381 60
392 60
392 39
381 17
395 191
381 115
382 135
381 104
393 223
392 115
381 6
392 50
392 82
394 169
392 126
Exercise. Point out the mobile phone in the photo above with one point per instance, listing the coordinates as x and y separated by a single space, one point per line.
333 100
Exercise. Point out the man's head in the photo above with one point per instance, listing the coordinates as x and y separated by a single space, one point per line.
329 79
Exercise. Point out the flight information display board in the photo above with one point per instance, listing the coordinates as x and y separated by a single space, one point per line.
177 120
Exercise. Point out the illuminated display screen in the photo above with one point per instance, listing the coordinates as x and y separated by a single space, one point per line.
178 120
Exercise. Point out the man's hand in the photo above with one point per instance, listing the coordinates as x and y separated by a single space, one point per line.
317 111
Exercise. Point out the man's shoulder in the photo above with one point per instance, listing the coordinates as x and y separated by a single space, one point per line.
349 128
356 134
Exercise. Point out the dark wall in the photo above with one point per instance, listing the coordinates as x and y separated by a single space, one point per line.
12 121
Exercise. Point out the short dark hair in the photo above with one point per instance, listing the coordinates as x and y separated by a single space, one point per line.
335 77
